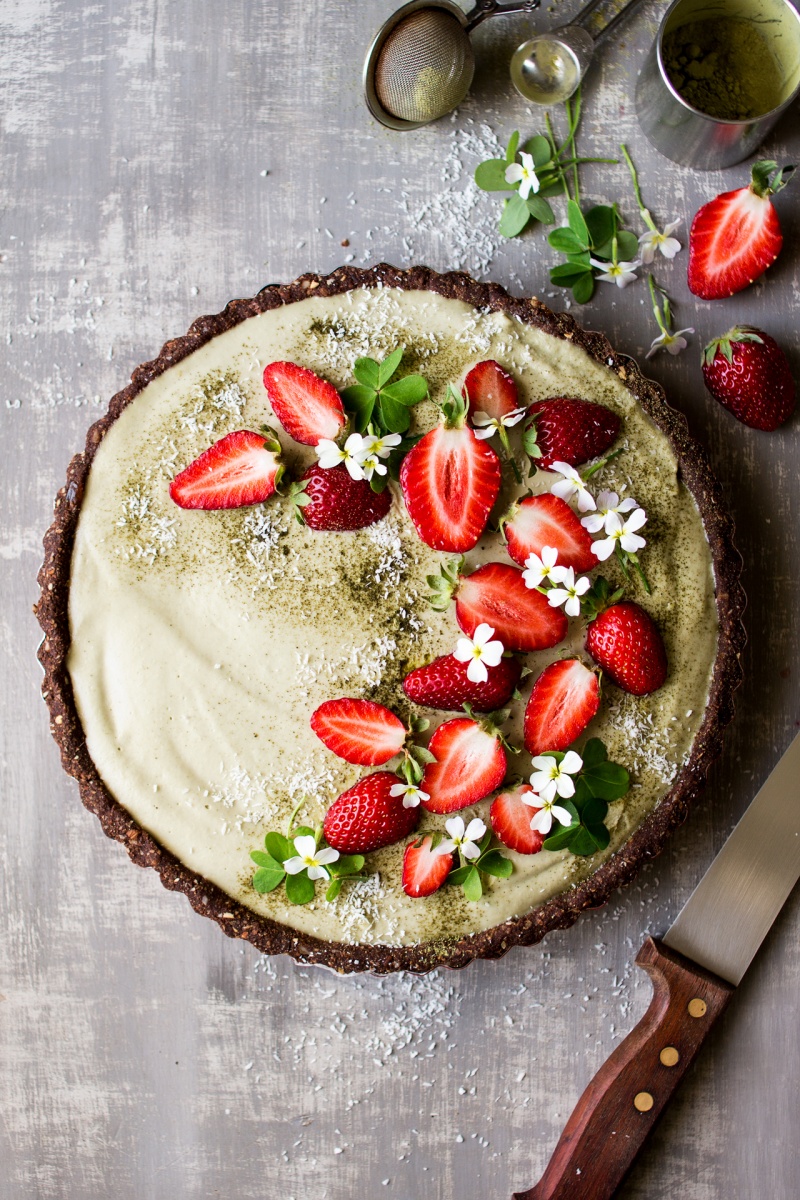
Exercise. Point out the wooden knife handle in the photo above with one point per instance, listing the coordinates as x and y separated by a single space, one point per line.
628 1094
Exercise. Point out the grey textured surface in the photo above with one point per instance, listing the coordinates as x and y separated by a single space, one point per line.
159 159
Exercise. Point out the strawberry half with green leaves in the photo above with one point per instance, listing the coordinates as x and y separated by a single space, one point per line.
547 520
425 867
749 374
489 388
567 429
511 818
470 763
308 408
563 701
736 236
444 683
496 595
328 498
450 481
241 468
359 731
625 641
367 816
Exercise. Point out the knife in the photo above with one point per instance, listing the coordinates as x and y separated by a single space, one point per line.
694 970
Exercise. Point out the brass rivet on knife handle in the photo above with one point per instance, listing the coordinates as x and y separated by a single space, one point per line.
631 1089
697 1007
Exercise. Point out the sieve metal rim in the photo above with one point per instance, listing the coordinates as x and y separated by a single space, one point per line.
373 54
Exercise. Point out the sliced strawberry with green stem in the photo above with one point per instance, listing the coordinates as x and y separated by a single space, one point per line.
241 468
470 763
425 867
562 702
359 731
547 520
450 481
496 594
490 389
511 820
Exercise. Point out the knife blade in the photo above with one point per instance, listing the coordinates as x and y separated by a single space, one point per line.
694 970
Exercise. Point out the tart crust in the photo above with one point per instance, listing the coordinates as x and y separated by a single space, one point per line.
558 913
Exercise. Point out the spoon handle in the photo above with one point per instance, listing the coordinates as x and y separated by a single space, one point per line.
492 8
619 1108
619 16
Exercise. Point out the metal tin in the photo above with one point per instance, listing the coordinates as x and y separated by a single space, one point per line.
689 136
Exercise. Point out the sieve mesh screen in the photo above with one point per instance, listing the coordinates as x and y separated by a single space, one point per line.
425 67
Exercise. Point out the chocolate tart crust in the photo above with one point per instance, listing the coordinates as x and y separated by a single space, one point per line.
558 913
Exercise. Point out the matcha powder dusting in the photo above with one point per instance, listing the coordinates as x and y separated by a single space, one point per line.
724 68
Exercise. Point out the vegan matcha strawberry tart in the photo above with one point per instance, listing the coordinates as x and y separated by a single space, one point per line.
393 619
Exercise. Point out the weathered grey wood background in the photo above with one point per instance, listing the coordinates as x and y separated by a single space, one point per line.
157 160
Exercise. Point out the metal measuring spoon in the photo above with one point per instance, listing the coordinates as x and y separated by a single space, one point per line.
548 68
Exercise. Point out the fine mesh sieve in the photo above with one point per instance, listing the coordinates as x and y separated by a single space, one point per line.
420 65
425 67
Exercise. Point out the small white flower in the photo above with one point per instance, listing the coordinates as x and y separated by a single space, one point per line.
607 503
673 343
538 569
463 839
652 241
547 809
330 455
623 532
310 858
524 174
381 446
372 465
480 652
486 426
551 778
620 273
570 593
412 795
572 485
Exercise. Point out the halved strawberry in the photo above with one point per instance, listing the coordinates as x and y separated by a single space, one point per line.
367 816
308 408
424 870
241 468
496 595
736 236
511 820
359 731
328 498
627 644
470 763
571 430
444 683
563 701
547 520
489 388
450 481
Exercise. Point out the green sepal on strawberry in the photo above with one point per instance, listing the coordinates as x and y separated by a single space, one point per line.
737 235
240 469
329 499
624 640
496 594
450 481
748 373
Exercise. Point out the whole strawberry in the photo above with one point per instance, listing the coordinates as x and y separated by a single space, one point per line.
444 683
571 430
737 235
626 642
328 498
749 374
367 816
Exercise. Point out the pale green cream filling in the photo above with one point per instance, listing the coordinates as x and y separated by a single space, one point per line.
202 642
